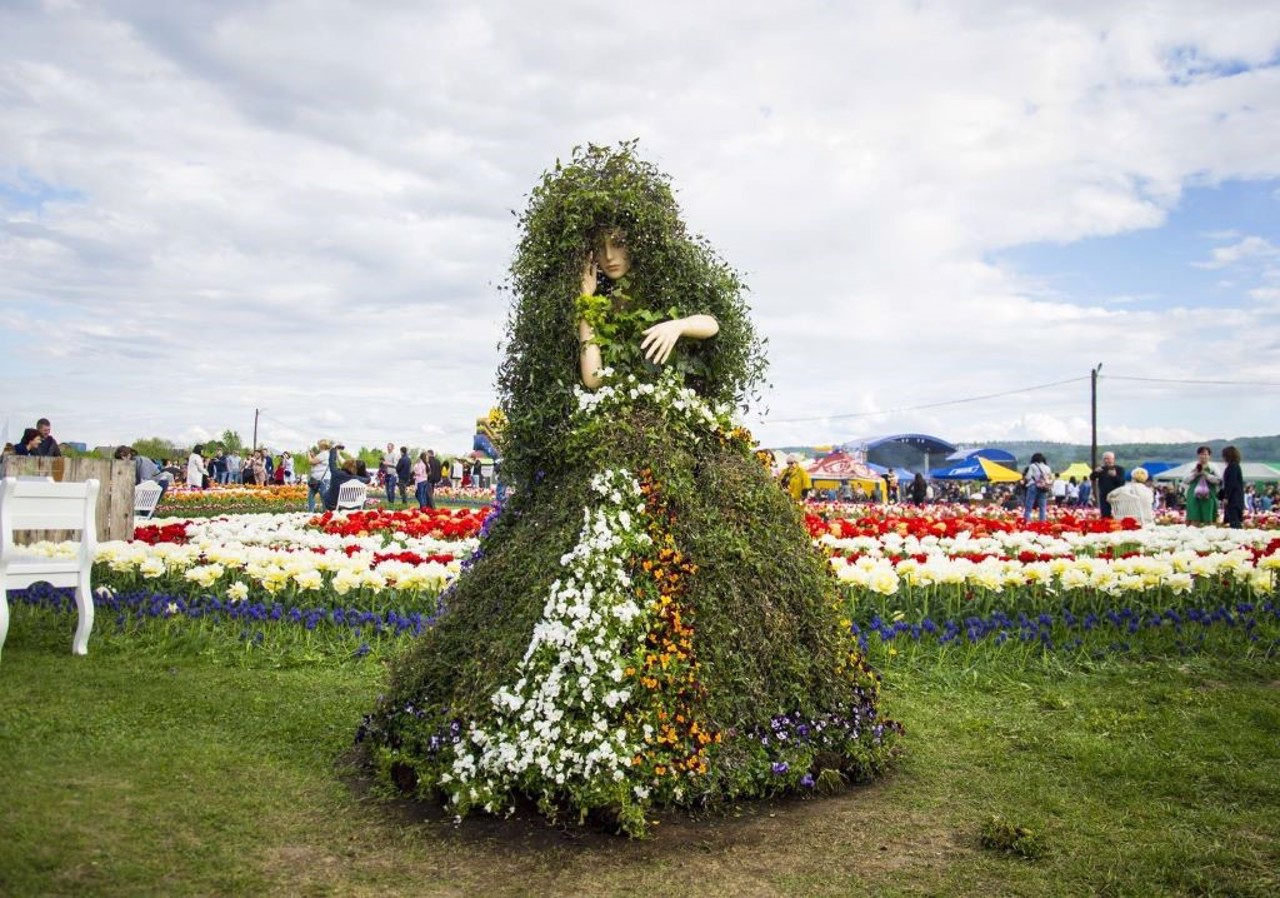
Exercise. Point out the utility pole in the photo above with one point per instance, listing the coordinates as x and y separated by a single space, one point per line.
255 426
1093 416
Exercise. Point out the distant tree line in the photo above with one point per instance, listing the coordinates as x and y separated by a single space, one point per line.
1059 455
160 448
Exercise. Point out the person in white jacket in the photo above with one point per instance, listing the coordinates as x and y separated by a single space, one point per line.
196 471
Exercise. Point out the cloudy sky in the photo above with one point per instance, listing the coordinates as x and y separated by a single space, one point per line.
948 213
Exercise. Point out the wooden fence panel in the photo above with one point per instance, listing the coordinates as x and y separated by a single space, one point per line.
115 494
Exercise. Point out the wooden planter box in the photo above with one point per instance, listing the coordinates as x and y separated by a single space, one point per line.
115 493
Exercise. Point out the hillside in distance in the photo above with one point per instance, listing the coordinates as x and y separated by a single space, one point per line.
1059 455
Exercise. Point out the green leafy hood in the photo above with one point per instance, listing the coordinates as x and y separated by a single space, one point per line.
599 189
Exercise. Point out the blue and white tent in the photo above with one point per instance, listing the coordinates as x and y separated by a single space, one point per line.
966 470
991 453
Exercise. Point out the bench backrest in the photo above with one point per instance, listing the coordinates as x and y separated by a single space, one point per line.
146 496
1126 505
48 505
352 494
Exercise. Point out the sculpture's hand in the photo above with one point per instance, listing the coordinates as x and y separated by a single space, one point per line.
660 339
589 363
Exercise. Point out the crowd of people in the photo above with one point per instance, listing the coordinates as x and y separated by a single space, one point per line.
329 467
259 467
1207 494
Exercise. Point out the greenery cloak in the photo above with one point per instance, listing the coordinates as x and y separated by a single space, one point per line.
646 623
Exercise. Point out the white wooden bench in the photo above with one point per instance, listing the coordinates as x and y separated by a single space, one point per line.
45 505
352 495
146 496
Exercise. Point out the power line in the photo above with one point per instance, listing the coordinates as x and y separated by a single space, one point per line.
915 408
267 417
1174 380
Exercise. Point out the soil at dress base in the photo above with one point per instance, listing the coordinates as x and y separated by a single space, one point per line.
736 849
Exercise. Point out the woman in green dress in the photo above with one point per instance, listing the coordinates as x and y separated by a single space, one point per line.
646 623
1201 487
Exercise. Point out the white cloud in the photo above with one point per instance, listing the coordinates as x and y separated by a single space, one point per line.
194 435
1248 248
304 208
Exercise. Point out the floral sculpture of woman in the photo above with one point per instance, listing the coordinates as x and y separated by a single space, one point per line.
646 622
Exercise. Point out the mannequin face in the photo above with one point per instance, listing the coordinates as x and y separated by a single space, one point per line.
612 255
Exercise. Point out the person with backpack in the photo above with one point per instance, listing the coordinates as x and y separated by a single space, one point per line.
1037 480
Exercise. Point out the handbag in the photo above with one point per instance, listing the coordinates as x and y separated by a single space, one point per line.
1202 489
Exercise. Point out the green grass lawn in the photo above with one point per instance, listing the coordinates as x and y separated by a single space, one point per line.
129 773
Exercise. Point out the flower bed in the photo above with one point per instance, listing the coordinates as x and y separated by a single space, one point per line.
854 519
958 571
909 576
947 578
315 585
236 499
380 558
231 499
1224 628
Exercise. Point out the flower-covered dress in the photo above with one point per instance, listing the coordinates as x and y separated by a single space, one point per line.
650 625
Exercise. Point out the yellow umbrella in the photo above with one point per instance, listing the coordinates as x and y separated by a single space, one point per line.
997 473
1077 469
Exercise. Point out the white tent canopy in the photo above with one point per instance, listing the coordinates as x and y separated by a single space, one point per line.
1253 470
